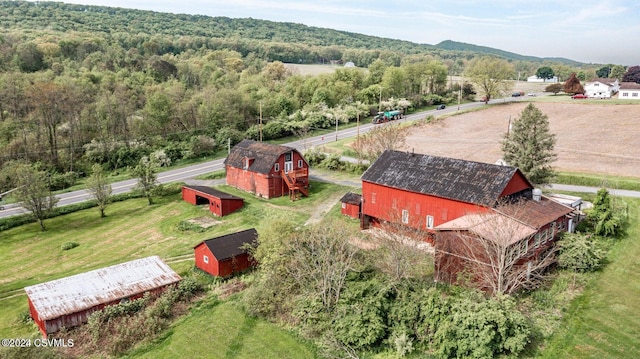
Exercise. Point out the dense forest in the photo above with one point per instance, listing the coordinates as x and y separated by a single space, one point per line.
85 84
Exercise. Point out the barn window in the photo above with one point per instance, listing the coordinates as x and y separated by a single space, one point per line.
344 205
538 240
205 259
300 163
429 222
288 156
552 230
405 216
276 167
246 163
373 197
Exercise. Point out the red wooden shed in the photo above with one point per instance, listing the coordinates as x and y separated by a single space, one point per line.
220 203
225 255
351 204
68 302
267 170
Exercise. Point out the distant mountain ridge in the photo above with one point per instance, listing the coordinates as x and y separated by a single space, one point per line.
61 17
461 46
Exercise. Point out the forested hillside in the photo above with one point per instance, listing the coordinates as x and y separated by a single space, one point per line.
81 85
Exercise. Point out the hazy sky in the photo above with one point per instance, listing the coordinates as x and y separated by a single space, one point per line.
603 31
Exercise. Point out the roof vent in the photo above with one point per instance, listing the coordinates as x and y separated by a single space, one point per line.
537 194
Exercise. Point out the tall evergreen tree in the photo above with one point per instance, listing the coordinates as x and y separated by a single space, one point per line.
529 145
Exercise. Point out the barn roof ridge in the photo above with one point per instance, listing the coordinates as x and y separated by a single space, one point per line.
456 179
264 155
230 245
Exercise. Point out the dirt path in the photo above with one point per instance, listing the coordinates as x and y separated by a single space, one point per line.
594 138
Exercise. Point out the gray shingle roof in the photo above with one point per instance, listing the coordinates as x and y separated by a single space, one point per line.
351 198
231 245
213 192
264 155
460 180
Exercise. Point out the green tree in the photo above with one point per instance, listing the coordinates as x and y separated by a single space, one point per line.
603 217
617 71
529 145
545 72
580 252
34 193
554 88
146 172
100 188
604 71
393 82
490 75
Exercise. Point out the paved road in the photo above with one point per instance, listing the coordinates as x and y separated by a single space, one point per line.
189 172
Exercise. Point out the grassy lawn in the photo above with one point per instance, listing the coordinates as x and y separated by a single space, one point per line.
223 330
596 180
132 229
604 322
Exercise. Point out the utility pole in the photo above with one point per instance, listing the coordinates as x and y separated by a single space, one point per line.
380 102
260 126
229 145
336 128
358 137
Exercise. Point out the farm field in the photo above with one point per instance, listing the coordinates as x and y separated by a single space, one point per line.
592 136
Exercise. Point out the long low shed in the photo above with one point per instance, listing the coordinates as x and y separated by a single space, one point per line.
220 203
68 302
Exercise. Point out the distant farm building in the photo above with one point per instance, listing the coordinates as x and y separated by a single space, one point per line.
267 170
223 256
351 205
535 78
220 203
68 302
629 91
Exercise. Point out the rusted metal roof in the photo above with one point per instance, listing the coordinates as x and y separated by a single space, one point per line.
460 180
351 198
491 226
86 290
230 245
213 192
263 154
536 214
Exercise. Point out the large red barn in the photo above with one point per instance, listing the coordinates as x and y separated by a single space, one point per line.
68 302
220 203
267 170
425 191
225 255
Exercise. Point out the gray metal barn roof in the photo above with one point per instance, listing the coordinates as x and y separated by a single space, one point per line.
86 290
264 155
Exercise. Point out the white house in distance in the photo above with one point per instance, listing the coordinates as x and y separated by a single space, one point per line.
601 88
535 78
629 91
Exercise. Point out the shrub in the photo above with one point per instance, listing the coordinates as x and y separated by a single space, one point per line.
314 157
69 245
581 252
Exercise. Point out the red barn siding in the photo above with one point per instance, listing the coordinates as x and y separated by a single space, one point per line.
390 202
517 184
218 206
268 185
223 268
350 210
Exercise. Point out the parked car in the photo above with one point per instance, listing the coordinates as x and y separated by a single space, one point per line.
515 94
579 95
531 94
441 107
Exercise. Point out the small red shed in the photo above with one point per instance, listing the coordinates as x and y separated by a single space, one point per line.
220 203
351 205
225 255
68 302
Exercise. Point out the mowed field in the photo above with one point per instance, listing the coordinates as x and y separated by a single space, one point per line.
593 136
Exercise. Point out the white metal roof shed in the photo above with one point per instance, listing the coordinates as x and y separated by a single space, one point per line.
86 290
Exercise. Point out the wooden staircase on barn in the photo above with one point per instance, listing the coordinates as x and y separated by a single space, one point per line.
297 181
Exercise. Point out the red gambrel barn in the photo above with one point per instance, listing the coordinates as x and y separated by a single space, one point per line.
226 255
351 203
267 170
68 302
220 203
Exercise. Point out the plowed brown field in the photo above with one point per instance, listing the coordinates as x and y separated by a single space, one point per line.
592 138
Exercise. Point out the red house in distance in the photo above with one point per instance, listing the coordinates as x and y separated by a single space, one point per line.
267 170
220 203
223 256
